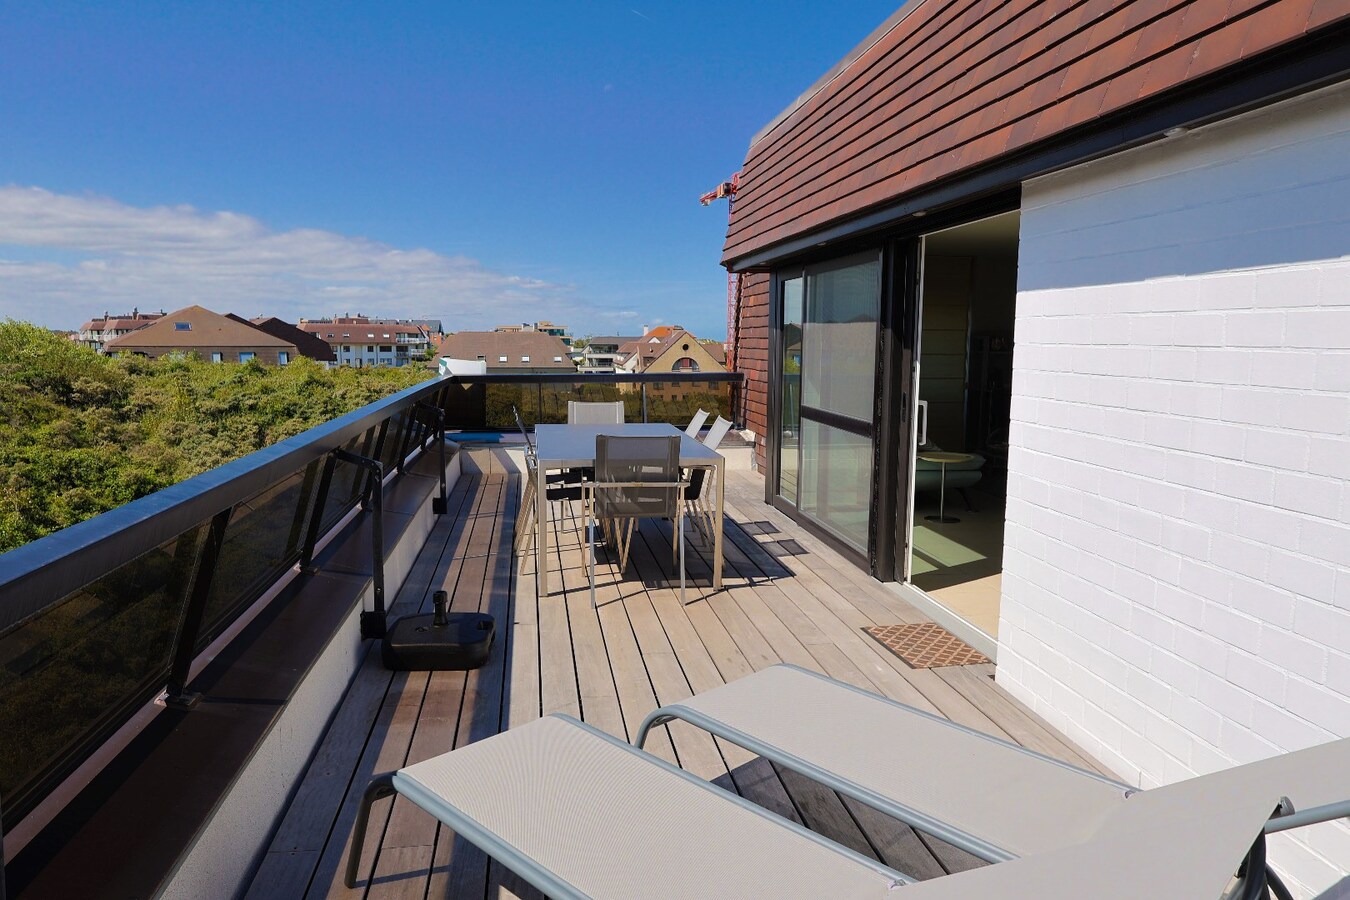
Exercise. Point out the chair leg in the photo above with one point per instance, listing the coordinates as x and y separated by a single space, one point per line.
590 552
626 544
965 495
524 530
380 786
679 530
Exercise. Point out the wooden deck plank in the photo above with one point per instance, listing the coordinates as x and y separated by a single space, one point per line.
296 849
402 828
642 648
458 868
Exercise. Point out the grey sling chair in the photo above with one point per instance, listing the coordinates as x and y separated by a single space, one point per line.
635 478
578 813
564 486
986 796
581 412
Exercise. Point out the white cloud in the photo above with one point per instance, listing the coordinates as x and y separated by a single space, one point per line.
64 258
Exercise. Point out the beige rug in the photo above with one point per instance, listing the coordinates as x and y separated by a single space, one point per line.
926 646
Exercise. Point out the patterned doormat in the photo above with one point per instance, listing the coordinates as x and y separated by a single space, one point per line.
926 645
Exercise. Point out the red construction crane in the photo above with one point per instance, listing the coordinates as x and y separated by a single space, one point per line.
728 189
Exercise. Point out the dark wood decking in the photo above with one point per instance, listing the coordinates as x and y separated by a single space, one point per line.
788 598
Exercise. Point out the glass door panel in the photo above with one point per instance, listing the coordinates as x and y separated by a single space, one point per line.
828 362
836 486
840 340
790 428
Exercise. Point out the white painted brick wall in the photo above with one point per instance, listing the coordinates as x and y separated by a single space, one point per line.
1177 564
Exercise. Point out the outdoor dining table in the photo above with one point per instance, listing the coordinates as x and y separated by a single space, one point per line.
573 447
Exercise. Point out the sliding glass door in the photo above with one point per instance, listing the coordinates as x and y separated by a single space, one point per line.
828 362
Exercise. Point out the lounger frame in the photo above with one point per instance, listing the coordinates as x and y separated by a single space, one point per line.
922 821
532 871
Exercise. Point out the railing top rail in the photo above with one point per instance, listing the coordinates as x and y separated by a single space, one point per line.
598 377
35 574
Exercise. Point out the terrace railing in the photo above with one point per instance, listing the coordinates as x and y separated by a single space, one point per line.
100 619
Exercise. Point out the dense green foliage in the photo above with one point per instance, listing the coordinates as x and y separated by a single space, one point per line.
82 433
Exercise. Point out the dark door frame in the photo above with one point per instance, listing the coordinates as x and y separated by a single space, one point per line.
896 354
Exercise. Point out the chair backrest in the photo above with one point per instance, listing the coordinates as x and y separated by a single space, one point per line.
520 423
583 413
696 423
631 461
716 433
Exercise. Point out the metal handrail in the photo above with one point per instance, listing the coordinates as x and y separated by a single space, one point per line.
599 378
34 575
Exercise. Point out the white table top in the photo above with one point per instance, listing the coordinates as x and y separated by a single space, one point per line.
573 446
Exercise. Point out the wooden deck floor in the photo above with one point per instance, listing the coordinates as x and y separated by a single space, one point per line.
787 598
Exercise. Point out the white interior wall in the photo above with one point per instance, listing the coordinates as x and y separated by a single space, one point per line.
1177 563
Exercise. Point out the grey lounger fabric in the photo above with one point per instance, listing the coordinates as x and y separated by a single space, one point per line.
992 798
1172 852
578 813
950 781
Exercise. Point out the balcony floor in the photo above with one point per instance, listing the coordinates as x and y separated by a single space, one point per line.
787 598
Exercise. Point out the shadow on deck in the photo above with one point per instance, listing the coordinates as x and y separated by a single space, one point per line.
787 599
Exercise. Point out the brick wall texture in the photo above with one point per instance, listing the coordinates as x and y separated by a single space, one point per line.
1177 561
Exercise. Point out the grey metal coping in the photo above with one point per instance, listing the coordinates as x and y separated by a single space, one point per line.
573 446
991 798
577 812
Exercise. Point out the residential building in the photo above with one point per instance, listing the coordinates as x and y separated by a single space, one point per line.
510 352
544 326
363 341
1101 256
601 354
306 343
213 337
96 333
673 349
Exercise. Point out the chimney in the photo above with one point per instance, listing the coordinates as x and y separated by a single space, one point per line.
645 329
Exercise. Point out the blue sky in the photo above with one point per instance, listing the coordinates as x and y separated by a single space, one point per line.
482 162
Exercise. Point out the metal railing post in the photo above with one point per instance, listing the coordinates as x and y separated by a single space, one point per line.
176 693
316 520
376 453
373 621
438 504
644 403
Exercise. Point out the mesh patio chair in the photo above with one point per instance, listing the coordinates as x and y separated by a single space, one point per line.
701 514
696 423
583 413
560 486
635 478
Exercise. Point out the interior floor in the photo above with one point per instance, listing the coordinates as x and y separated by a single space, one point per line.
960 564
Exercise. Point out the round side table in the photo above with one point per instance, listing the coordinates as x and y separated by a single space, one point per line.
942 457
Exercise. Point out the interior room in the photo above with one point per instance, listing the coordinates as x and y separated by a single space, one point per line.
965 389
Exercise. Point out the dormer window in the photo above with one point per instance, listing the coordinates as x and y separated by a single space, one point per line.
501 359
524 359
182 326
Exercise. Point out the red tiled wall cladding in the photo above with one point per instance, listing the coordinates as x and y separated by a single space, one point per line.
752 356
960 83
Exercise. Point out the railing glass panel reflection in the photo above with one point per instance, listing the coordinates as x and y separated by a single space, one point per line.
93 618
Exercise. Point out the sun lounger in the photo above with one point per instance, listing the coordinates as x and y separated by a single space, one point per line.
991 798
577 813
